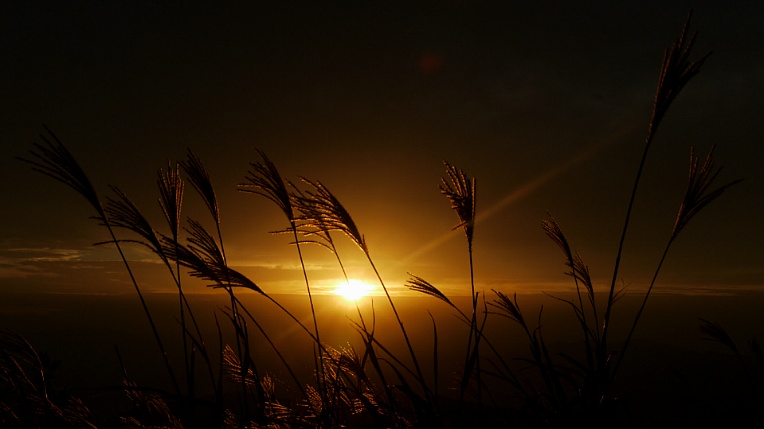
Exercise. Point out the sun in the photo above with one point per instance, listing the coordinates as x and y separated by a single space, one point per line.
353 289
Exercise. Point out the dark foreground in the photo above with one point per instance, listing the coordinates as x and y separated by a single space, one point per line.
671 374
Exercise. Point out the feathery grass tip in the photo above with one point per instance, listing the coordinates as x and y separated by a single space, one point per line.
460 190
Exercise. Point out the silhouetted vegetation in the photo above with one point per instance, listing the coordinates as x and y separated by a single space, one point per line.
370 385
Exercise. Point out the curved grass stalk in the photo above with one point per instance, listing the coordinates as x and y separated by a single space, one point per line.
52 159
125 214
697 196
170 186
580 273
204 259
418 284
201 181
460 191
676 71
265 180
322 211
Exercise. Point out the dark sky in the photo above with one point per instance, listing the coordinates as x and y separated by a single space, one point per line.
545 103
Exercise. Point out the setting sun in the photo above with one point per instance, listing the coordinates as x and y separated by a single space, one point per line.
353 289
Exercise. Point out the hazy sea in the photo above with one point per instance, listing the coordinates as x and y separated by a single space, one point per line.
668 360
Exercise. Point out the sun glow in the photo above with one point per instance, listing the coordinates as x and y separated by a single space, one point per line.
353 289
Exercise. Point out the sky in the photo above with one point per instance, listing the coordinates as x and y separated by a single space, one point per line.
545 104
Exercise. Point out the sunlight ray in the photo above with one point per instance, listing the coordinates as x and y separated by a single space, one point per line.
526 189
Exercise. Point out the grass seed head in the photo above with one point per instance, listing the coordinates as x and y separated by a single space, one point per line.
460 190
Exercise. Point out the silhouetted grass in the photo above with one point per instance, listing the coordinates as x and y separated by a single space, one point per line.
372 385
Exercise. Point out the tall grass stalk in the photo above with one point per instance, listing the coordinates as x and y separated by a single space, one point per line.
205 260
201 181
125 214
697 196
375 383
601 364
460 191
322 211
265 180
676 71
170 186
52 159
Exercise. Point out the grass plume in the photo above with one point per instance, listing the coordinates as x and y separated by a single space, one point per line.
369 383
53 159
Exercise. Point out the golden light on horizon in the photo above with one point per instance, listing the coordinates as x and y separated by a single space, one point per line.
353 289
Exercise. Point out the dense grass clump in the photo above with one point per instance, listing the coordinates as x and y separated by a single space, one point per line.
222 384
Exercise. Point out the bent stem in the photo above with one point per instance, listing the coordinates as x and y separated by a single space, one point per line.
419 373
200 179
676 71
265 180
55 161
697 196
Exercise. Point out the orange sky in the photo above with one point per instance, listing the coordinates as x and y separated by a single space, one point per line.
545 105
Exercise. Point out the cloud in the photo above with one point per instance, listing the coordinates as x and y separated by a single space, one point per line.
276 266
22 262
41 254
9 271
